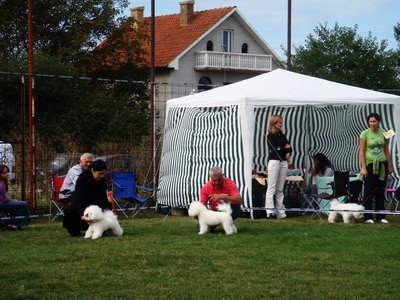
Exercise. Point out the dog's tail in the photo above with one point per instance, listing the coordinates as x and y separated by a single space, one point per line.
225 207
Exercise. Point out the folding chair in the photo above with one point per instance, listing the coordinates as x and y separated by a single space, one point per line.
125 187
325 191
355 187
114 204
336 186
59 206
341 185
313 203
393 199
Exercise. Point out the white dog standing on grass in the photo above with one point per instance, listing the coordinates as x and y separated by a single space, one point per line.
100 222
349 211
209 218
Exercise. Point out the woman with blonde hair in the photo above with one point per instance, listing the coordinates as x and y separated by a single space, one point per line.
278 157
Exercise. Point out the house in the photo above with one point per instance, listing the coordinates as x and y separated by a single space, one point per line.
197 50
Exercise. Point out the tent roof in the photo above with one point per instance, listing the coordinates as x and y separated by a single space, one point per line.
284 88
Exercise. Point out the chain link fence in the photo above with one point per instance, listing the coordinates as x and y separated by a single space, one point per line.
15 152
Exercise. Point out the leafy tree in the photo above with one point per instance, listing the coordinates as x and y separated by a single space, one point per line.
397 33
68 29
66 38
341 55
91 111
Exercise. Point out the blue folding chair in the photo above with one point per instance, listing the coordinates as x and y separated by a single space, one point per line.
125 187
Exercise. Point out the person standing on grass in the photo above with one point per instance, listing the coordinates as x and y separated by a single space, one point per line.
67 190
11 206
91 189
278 158
375 167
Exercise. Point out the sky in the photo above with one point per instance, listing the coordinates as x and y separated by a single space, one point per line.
269 17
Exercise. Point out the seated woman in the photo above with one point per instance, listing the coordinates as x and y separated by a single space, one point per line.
322 168
12 207
91 189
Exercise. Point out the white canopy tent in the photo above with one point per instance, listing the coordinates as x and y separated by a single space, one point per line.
227 126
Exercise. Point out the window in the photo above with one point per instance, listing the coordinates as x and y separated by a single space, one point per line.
204 84
210 46
245 48
227 39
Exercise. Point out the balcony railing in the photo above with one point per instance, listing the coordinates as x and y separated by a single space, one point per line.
211 60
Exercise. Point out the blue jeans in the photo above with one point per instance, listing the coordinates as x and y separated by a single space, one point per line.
16 209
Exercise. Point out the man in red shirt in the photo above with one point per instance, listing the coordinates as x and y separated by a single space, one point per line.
220 189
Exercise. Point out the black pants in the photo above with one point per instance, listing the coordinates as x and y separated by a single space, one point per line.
374 189
72 221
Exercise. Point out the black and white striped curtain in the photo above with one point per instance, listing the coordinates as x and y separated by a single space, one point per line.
196 139
331 130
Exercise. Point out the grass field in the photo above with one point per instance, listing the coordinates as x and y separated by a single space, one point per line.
157 258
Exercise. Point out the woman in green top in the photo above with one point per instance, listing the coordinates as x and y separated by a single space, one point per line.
375 167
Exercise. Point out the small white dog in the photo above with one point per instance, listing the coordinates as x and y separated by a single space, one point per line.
349 211
102 220
208 218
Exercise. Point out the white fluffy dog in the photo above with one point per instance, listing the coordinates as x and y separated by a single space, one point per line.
349 211
208 218
102 220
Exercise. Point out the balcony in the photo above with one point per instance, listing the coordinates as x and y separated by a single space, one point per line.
211 60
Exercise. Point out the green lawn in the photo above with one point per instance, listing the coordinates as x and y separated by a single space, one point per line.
157 258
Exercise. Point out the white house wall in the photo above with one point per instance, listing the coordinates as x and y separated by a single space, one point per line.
186 72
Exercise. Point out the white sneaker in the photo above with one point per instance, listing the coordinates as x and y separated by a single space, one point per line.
279 216
384 221
369 221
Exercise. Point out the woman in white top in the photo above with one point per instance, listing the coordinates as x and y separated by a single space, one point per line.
322 166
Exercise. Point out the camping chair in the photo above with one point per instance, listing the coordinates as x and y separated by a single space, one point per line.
324 190
59 206
341 185
336 186
355 187
393 199
310 201
114 204
125 187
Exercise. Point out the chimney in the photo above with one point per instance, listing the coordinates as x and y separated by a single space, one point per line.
186 12
137 15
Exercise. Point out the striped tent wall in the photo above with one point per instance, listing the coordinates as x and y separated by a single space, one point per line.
195 139
332 130
335 131
295 128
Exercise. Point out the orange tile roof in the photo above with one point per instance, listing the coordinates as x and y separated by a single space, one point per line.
171 39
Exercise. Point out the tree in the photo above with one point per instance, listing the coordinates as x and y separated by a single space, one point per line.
66 39
68 29
341 55
397 33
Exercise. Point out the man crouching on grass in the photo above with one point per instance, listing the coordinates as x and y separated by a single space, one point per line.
221 189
